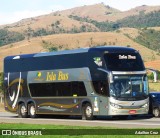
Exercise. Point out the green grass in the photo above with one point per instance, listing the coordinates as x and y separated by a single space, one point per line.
62 128
154 86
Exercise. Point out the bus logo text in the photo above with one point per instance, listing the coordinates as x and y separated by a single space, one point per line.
51 76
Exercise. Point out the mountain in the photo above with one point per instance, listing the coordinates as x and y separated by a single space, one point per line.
144 9
101 12
98 12
153 64
73 41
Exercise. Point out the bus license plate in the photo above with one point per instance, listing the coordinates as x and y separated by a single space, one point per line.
132 111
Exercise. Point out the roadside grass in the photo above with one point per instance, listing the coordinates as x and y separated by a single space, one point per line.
2 107
63 128
154 86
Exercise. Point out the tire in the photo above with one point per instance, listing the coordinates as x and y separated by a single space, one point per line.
87 112
156 112
32 110
22 111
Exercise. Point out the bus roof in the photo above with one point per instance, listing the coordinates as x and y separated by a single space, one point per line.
110 49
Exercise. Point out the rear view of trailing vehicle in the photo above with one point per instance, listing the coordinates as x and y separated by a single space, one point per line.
154 108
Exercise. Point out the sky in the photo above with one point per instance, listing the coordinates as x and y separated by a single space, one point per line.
15 10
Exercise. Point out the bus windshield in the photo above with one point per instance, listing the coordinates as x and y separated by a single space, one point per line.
129 87
124 61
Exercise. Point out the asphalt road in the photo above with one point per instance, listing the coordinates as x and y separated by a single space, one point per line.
136 122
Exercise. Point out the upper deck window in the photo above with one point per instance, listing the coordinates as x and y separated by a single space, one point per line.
124 62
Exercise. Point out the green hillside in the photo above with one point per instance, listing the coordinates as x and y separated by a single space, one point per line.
142 20
148 38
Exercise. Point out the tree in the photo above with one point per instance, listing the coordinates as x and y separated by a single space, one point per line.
8 37
49 46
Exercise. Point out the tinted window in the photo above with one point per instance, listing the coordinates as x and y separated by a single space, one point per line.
124 61
156 97
101 87
133 87
46 62
81 90
57 89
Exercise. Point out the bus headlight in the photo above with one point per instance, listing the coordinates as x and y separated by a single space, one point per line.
115 105
145 105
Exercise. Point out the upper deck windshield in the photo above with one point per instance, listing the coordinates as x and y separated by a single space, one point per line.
124 62
129 88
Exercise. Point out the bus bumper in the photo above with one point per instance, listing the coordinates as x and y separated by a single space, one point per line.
115 111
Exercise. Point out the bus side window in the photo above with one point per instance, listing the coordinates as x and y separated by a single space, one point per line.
101 87
65 88
78 89
82 89
75 89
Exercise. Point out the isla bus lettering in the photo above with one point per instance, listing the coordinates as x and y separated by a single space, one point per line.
51 76
127 57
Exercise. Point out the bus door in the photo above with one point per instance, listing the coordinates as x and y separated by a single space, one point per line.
103 98
103 105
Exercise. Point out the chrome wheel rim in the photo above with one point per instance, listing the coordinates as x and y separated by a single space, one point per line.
88 111
32 110
156 112
23 110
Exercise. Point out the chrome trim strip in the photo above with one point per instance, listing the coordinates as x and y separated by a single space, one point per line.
104 70
130 72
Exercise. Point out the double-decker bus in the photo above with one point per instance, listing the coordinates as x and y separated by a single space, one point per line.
104 80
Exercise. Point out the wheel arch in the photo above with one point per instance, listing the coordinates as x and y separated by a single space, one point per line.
85 101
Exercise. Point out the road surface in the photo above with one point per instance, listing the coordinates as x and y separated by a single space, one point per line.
137 122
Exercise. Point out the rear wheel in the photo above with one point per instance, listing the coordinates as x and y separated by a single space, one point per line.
22 111
156 112
32 110
87 112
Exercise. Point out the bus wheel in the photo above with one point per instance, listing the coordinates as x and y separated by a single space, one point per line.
22 111
87 112
156 112
32 110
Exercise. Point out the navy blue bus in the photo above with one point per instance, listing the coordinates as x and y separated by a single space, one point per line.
104 80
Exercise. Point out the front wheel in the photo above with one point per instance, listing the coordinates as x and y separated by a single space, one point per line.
32 110
87 112
156 112
22 111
